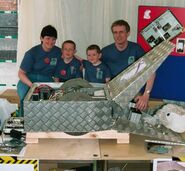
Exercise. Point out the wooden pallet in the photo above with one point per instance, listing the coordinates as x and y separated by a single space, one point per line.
33 137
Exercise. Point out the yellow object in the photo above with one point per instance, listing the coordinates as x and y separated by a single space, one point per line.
14 160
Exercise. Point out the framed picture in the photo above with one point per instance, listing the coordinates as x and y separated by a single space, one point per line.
167 164
180 45
166 26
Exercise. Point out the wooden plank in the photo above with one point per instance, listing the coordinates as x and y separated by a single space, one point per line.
33 137
135 150
155 102
64 149
11 95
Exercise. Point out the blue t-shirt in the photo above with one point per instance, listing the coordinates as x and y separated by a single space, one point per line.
68 71
96 74
117 60
39 62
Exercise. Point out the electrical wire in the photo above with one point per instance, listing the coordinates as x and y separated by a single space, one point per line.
123 168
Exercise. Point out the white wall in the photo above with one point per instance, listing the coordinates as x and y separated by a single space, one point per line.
84 21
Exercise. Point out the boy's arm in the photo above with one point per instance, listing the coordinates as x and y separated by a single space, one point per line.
79 73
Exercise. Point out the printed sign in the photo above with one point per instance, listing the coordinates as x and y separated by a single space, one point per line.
8 163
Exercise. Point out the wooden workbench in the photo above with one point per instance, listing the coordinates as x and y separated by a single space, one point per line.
64 149
94 149
135 150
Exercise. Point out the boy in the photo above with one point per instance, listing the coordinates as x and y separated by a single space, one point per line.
68 67
95 70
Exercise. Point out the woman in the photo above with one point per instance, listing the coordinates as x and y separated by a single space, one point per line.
39 63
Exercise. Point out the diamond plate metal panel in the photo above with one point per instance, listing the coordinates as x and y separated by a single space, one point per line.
6 31
143 128
8 19
69 116
128 83
8 44
8 55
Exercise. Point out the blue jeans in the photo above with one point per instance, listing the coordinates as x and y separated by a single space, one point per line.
22 88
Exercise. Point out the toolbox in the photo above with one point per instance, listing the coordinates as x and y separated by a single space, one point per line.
82 108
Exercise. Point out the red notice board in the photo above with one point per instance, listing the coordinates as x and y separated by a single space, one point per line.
170 78
147 14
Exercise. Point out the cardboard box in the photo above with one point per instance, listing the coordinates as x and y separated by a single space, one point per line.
11 95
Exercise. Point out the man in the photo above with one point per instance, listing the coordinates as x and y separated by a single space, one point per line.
120 54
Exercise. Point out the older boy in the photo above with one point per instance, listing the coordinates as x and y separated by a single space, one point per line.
69 67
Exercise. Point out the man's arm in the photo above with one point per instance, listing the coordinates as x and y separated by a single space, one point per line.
142 100
107 79
23 77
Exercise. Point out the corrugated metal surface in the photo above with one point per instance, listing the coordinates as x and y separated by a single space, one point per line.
128 83
8 44
8 19
68 116
8 55
7 31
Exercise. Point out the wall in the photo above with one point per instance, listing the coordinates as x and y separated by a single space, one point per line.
84 21
8 43
169 83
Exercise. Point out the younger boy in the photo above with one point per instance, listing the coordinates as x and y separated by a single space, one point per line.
95 70
68 67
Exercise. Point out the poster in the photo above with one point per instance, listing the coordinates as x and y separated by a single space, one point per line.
169 82
165 27
165 20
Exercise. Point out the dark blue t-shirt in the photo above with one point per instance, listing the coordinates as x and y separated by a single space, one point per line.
117 60
96 74
68 71
37 61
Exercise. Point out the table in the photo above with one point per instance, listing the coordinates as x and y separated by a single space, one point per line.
106 153
94 149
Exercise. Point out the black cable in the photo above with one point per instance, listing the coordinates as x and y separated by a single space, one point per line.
16 134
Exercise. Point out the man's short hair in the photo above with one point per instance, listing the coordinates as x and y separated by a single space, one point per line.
94 47
121 23
69 41
49 30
